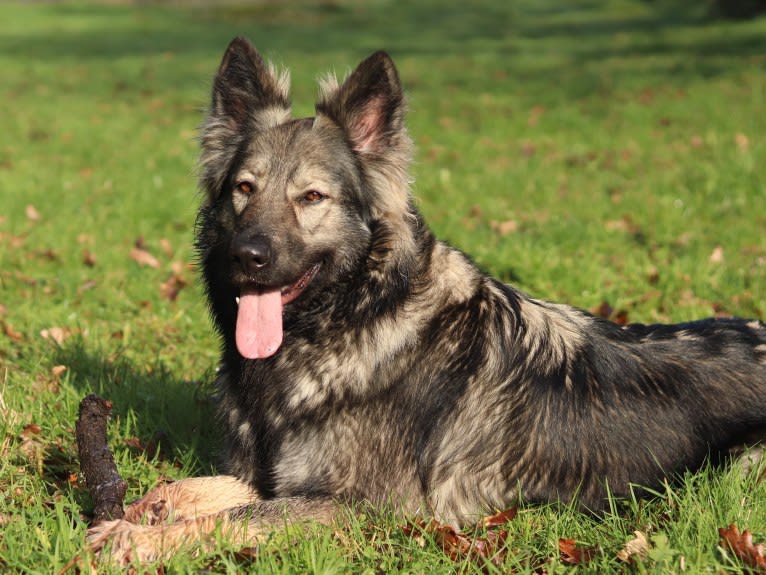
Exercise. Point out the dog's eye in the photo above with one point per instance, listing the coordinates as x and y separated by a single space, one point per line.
245 188
312 197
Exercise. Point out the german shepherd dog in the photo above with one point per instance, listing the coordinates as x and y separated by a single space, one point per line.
364 360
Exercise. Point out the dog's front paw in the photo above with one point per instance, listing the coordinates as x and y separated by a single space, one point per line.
123 542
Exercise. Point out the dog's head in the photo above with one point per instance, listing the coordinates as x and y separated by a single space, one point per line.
296 200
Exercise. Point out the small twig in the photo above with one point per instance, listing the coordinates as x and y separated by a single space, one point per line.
106 487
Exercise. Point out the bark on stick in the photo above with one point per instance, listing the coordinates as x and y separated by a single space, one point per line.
106 487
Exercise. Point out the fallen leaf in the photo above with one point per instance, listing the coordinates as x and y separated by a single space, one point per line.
12 333
528 149
504 228
571 554
47 254
32 213
741 544
606 311
534 115
624 224
172 286
88 258
166 247
246 554
716 256
620 318
638 547
652 275
499 518
57 334
30 430
602 310
460 545
58 370
144 258
86 285
743 142
177 267
156 446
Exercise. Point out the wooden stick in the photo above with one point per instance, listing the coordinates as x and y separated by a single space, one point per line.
106 487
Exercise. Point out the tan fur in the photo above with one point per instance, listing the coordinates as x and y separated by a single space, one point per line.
194 512
162 521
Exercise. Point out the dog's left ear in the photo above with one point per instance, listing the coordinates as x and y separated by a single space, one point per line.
368 106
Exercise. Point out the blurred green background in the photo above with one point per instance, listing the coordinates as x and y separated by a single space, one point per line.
605 154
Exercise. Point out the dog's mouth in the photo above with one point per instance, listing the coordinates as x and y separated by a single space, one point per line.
259 317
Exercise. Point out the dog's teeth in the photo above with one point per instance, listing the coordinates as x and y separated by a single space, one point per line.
237 300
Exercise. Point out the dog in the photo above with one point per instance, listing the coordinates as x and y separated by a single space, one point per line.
364 360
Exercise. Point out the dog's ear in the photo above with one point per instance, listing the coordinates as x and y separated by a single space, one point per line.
368 106
248 89
248 96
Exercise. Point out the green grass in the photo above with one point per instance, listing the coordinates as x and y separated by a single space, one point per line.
624 140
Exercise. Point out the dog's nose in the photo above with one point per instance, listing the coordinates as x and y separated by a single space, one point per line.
251 253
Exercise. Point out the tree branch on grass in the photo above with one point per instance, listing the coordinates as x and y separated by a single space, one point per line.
106 487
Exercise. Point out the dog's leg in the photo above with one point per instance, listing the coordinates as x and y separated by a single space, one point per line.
128 542
190 498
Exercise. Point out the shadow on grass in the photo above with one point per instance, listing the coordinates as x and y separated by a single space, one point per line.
153 412
582 33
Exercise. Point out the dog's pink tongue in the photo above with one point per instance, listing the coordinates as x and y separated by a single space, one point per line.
259 324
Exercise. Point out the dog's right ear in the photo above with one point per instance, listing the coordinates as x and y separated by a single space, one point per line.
246 88
249 95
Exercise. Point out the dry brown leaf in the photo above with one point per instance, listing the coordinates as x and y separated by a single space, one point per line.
88 258
716 256
606 311
741 544
58 370
637 547
504 228
12 333
57 334
743 142
144 258
87 285
31 429
572 554
534 115
499 518
172 287
32 213
602 310
177 267
167 247
459 545
528 149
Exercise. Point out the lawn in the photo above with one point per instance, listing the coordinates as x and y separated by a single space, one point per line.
605 154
